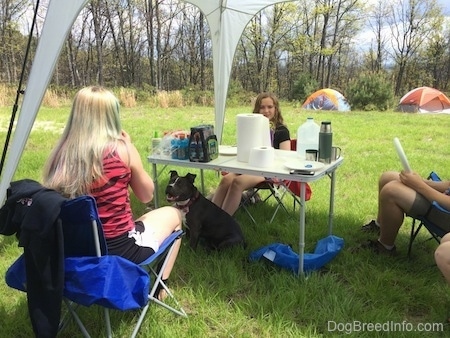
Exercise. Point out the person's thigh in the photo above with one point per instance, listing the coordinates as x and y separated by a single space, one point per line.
419 207
161 222
243 182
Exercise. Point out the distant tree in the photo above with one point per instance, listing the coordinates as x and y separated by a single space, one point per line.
412 22
11 42
377 22
370 91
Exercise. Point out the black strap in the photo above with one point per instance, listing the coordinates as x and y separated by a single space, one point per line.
19 90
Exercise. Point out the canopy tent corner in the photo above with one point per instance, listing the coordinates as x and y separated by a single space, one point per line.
227 20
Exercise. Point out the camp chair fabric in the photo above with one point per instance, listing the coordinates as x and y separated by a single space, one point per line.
277 190
432 221
283 256
93 277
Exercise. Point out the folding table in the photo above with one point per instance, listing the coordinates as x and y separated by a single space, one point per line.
277 171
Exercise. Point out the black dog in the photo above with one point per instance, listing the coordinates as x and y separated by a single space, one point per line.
204 219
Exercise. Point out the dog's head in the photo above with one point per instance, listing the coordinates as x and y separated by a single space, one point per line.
180 188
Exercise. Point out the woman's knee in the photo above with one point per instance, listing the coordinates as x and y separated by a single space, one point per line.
226 180
442 254
445 238
387 177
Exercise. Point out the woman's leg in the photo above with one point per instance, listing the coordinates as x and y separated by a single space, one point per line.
222 189
385 178
395 199
442 257
234 194
160 223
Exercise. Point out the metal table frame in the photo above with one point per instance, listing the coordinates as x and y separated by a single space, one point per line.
277 171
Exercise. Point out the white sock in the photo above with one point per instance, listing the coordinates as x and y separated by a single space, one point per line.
387 247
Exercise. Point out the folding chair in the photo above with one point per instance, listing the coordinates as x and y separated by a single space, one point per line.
278 190
436 212
94 277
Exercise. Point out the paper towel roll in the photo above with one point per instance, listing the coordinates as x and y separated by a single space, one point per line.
261 157
252 131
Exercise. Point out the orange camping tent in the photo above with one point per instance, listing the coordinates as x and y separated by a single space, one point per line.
425 100
326 99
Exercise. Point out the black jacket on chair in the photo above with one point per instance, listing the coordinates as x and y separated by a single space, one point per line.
31 212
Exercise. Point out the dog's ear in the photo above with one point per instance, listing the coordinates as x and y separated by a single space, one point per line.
173 173
191 177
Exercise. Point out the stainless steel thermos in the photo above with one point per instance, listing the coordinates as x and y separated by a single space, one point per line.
325 142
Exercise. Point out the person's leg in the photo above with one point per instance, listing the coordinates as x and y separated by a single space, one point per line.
237 187
395 199
442 257
385 178
159 224
222 189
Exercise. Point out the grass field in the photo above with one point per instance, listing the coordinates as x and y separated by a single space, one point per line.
225 295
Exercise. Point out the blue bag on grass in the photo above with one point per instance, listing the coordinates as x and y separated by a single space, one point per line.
282 254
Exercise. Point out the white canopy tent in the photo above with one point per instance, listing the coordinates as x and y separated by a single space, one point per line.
226 19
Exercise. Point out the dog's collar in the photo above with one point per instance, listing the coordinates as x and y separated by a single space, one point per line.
184 205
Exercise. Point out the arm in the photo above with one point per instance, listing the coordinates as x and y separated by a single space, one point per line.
141 183
441 186
432 191
285 145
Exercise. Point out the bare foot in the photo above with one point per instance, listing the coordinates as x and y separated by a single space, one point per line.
162 294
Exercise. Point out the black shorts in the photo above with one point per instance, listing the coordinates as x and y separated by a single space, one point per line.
126 246
422 207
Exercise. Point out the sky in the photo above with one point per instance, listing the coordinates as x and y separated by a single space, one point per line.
364 40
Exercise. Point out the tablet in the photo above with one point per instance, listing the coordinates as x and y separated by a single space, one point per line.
401 155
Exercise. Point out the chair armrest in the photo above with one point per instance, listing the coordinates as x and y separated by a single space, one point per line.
434 177
440 208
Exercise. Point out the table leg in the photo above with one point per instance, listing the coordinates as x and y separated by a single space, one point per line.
155 182
301 246
331 210
202 180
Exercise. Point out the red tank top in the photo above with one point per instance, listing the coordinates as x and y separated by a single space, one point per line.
112 196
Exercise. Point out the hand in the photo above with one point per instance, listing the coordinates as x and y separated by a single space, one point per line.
411 179
125 136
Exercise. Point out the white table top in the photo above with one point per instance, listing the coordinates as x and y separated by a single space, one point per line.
231 164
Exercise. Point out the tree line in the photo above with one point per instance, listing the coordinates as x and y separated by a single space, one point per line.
290 48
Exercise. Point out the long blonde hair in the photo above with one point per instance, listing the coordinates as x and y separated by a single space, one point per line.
92 128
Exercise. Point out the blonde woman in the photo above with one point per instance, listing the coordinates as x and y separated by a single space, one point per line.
95 156
229 192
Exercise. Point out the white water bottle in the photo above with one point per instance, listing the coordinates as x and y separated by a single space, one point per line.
307 136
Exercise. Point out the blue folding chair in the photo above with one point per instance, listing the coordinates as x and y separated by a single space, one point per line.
429 221
94 277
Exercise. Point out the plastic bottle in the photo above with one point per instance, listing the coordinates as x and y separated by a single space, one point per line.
174 145
325 142
183 147
307 136
156 142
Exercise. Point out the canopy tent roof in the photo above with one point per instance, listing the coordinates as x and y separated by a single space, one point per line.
227 20
326 99
425 100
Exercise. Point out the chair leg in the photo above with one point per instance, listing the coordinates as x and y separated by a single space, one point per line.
414 233
77 319
159 281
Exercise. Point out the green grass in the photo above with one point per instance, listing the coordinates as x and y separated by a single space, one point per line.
227 296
